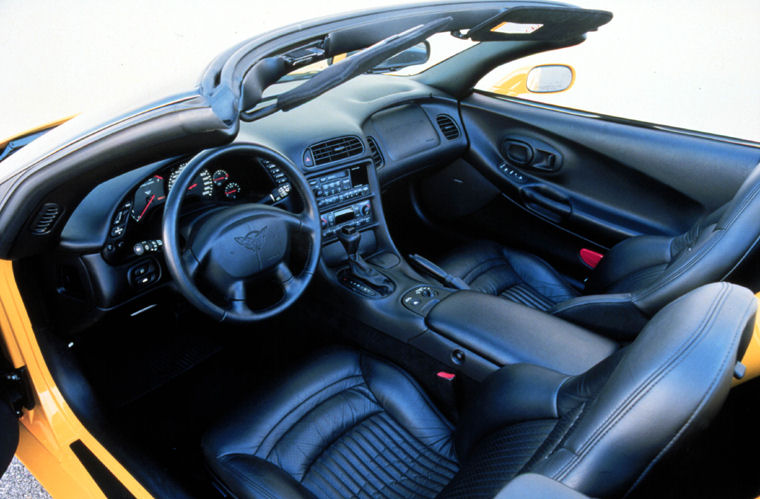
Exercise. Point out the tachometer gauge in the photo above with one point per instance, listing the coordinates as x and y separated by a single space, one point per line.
150 194
220 177
202 185
232 190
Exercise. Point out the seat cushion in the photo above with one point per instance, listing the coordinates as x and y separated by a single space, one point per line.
515 275
346 424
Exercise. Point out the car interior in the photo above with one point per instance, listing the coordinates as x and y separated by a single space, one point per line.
399 286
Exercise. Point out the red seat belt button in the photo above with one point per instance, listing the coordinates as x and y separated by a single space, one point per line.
591 258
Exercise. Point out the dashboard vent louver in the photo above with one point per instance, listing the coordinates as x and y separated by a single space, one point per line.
377 156
447 126
336 149
46 218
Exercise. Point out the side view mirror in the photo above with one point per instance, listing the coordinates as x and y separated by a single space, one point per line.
543 79
550 78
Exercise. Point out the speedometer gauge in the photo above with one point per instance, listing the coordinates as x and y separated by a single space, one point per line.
202 185
149 194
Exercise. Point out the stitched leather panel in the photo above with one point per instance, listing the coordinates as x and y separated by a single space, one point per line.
526 295
498 458
344 425
514 275
379 458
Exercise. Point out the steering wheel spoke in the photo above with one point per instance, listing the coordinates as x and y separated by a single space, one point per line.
239 298
190 262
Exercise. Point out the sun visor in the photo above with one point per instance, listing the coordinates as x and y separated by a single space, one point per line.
538 24
363 35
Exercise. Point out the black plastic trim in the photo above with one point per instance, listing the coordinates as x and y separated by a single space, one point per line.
108 483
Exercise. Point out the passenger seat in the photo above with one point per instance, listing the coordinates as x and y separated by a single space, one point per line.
636 278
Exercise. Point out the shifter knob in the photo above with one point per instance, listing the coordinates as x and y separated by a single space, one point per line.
349 237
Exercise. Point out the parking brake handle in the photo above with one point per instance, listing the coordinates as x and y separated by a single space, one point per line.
437 272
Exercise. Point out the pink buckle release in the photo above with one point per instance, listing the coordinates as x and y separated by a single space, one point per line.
591 258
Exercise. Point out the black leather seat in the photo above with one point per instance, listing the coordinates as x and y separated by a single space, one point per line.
350 425
634 280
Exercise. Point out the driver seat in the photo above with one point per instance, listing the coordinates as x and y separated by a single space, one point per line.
348 424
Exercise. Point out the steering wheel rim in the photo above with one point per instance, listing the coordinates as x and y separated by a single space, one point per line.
183 264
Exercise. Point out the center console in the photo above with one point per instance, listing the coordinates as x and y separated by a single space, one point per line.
489 332
343 197
471 332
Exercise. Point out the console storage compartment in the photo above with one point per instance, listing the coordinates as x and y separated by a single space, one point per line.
478 333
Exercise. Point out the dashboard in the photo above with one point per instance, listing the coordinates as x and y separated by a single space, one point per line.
228 179
110 251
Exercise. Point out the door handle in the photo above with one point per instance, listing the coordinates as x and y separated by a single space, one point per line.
531 153
545 161
546 201
519 152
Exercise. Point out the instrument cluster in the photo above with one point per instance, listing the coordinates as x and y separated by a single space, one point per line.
230 179
218 184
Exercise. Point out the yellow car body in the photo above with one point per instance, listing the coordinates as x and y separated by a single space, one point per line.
50 431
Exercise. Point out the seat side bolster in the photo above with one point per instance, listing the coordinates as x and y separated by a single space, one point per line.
513 394
247 476
614 315
628 257
537 487
670 381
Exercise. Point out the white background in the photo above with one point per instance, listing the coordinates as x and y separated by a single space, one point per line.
689 63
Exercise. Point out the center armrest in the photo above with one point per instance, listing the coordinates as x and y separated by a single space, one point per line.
504 333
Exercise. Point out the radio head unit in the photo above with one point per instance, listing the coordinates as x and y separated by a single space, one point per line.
344 198
340 186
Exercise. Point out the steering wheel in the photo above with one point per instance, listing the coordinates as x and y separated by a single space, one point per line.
230 248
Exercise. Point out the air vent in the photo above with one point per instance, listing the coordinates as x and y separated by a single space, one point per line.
447 126
336 149
46 218
377 156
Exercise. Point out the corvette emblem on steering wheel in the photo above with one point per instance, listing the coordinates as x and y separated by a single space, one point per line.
254 240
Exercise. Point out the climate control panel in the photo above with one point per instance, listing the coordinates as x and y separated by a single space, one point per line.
357 215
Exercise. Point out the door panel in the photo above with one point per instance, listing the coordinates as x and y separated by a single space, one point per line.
572 180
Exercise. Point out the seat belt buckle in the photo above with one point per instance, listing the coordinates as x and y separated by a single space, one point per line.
590 258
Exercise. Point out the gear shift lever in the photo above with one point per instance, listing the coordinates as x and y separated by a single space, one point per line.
350 238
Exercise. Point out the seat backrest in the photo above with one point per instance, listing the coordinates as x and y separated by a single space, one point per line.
600 432
642 274
656 270
722 242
